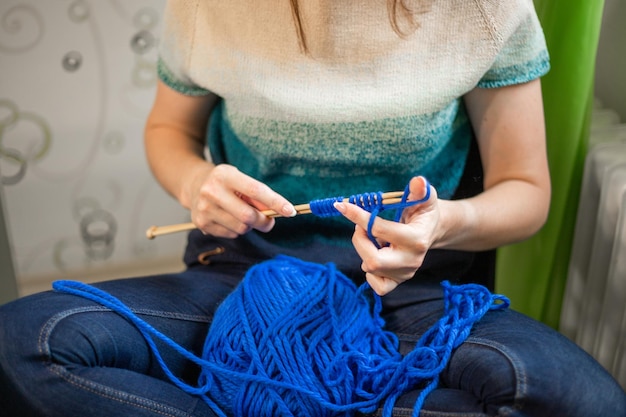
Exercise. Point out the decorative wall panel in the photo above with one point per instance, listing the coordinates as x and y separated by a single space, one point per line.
77 78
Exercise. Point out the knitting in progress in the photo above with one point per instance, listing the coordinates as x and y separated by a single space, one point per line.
301 339
371 202
297 338
375 203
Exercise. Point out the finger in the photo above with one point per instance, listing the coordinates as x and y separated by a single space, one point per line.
263 223
355 214
242 214
215 229
256 204
382 230
398 265
218 222
418 188
362 218
262 196
380 284
365 249
227 183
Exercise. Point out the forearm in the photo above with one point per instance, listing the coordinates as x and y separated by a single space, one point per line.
509 127
174 140
506 213
175 159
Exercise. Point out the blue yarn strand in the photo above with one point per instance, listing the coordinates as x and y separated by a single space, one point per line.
148 331
297 338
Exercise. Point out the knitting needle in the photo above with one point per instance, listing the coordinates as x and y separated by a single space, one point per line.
154 231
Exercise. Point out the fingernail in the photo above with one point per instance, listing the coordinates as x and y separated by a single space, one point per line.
340 207
289 210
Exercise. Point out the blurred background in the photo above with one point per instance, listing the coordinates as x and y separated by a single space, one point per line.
77 78
610 76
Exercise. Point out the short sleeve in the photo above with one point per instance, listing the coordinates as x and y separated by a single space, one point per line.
523 55
177 38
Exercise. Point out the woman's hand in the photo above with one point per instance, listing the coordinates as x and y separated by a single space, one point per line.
223 201
509 127
408 240
227 203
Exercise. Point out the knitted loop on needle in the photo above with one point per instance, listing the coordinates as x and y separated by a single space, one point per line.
301 339
372 202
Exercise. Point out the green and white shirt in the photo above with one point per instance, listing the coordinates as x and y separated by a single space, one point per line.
365 109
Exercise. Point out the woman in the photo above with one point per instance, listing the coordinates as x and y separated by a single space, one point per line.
307 100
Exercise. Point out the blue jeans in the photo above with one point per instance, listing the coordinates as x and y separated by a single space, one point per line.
62 355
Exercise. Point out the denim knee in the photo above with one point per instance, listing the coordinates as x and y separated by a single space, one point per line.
520 367
489 372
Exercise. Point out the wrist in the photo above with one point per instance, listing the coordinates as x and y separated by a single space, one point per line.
456 218
191 182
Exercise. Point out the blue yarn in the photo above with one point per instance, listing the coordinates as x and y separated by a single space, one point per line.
301 339
372 202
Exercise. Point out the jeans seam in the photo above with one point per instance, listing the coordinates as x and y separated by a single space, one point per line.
116 395
405 412
521 379
426 413
102 390
51 323
520 384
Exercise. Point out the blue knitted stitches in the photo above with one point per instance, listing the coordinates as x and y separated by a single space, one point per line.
300 339
372 202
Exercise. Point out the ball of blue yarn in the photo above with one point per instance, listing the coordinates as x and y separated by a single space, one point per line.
305 342
300 339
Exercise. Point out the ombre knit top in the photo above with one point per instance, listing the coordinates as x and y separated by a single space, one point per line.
364 109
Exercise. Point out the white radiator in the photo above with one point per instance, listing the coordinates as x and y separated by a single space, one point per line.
594 303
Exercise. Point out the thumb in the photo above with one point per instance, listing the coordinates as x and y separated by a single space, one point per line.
420 190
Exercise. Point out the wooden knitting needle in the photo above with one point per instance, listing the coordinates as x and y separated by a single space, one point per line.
154 231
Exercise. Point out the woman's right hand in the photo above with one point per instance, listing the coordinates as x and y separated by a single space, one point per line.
227 203
223 201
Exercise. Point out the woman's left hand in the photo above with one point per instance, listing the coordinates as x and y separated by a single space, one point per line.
408 240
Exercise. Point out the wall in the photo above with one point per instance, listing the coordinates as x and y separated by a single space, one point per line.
610 80
8 285
76 82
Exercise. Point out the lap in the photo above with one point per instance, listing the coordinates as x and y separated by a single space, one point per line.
508 363
59 352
